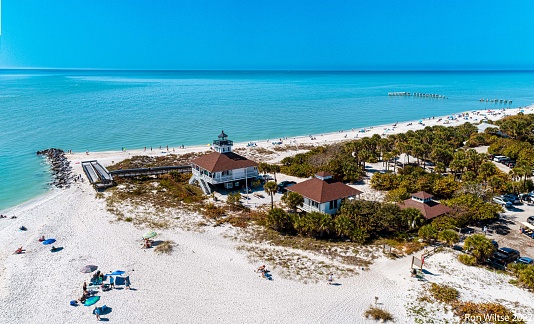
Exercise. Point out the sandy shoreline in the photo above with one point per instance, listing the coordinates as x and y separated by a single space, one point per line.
207 278
475 116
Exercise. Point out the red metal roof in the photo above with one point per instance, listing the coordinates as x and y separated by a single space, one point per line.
324 174
429 209
217 162
323 191
422 195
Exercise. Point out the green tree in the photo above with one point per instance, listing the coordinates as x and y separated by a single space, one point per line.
279 220
448 237
270 188
343 225
411 218
234 199
275 169
427 232
292 200
479 246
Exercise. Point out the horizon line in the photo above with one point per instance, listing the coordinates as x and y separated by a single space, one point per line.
262 70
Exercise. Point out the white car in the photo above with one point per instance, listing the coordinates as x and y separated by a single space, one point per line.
502 202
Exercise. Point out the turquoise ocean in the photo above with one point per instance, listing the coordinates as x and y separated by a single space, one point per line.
108 110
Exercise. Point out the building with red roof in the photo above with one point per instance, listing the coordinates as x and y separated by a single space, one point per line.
222 167
425 204
322 194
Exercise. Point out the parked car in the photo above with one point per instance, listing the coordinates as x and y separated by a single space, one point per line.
525 260
514 199
502 202
510 255
498 158
267 177
530 220
282 186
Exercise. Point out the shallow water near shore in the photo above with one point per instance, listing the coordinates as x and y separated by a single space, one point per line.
111 110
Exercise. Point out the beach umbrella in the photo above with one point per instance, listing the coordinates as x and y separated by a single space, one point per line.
117 273
148 235
49 241
88 268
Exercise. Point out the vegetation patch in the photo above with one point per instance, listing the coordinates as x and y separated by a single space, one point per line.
467 259
378 314
443 293
166 247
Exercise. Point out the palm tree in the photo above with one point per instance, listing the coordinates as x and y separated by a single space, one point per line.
264 167
292 200
270 188
479 246
275 168
449 237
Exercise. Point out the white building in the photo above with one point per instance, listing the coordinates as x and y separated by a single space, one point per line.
223 167
323 194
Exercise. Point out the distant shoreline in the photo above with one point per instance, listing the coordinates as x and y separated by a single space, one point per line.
109 157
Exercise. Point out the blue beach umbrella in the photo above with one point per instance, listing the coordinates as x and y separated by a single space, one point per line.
117 273
49 241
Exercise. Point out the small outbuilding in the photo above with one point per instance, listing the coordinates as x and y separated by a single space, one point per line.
323 194
425 204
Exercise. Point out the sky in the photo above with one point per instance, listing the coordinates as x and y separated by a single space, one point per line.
268 35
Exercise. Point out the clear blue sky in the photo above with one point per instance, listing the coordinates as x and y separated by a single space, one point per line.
268 34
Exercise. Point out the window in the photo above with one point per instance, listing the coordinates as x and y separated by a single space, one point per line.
333 204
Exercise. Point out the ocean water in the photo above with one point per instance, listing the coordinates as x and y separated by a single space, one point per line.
108 110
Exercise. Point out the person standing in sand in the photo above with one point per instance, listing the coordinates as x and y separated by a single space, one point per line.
127 282
330 278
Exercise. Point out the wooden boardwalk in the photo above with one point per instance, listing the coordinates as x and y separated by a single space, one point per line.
151 171
101 178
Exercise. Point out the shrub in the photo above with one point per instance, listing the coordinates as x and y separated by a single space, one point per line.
480 247
443 293
449 237
526 277
427 232
377 313
165 247
467 259
279 220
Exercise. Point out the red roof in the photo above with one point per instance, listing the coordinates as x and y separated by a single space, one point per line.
217 162
429 209
324 174
422 195
323 191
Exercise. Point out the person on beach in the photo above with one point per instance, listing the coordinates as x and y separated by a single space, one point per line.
19 250
261 269
84 287
127 282
330 278
111 282
42 238
96 311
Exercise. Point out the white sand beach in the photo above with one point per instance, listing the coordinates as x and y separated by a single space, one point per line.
207 278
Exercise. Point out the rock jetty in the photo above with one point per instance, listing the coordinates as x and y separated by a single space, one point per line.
59 165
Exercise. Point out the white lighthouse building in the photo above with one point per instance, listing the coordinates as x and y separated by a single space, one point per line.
223 168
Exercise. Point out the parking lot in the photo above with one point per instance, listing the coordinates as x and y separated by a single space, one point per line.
507 231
